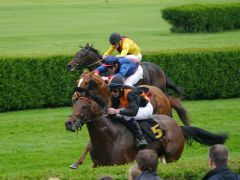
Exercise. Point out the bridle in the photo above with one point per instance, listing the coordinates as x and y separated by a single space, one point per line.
78 67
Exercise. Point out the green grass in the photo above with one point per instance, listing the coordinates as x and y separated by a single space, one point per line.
35 145
49 27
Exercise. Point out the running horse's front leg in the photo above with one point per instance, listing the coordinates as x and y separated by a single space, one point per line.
82 158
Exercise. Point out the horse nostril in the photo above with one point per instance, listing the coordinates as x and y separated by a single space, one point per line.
67 124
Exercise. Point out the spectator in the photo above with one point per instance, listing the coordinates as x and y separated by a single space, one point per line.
218 162
147 161
133 172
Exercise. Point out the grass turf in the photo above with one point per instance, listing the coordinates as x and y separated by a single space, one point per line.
35 145
32 27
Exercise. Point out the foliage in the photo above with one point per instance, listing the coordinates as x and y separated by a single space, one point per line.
44 81
35 82
35 145
203 18
203 75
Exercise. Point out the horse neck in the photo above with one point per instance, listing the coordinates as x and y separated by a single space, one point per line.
101 131
105 94
103 91
94 61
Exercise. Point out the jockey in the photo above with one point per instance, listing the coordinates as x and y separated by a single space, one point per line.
125 46
131 104
127 68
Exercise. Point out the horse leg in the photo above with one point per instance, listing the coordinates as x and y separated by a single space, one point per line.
163 159
82 158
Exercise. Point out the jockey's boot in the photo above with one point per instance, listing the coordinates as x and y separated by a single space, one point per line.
140 139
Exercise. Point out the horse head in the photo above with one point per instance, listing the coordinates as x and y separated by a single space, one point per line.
89 101
87 57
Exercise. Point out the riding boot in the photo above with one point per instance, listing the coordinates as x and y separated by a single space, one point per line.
140 139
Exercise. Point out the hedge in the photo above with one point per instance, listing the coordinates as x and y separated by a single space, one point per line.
35 82
44 82
203 18
203 75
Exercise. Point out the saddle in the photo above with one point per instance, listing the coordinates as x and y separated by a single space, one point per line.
150 128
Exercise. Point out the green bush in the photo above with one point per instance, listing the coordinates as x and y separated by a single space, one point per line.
44 82
203 18
203 75
35 82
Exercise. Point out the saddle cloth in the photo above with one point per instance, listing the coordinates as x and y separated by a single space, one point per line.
151 130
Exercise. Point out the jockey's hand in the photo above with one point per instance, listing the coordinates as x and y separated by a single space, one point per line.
119 55
104 56
113 111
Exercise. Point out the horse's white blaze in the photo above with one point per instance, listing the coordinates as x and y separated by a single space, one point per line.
79 83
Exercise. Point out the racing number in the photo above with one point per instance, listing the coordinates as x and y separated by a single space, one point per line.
157 131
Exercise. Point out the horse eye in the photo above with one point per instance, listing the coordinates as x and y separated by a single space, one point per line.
74 100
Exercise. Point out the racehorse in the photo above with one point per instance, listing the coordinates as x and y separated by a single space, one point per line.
112 143
89 57
88 107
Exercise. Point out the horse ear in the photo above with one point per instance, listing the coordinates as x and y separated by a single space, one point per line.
80 46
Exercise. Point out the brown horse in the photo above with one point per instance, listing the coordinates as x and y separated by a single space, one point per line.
162 104
112 142
95 85
153 75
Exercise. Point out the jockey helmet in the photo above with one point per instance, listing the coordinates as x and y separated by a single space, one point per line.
115 38
110 60
116 82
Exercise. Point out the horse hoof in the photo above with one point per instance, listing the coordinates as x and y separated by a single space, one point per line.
74 166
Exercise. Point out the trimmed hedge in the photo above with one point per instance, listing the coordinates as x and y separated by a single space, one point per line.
203 18
35 82
203 75
44 82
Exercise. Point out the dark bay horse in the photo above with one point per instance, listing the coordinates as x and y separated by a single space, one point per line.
112 143
153 75
95 85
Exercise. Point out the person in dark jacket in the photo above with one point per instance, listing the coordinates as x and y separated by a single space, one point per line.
218 161
147 161
131 104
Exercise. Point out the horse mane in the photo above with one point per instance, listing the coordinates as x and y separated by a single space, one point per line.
91 48
95 82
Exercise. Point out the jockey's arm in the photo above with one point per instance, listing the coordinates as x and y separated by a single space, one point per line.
115 102
133 105
109 51
123 70
101 69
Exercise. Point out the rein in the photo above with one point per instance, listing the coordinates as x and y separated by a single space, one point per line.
90 65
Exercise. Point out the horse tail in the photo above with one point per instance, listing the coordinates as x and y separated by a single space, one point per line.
181 111
171 85
202 136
